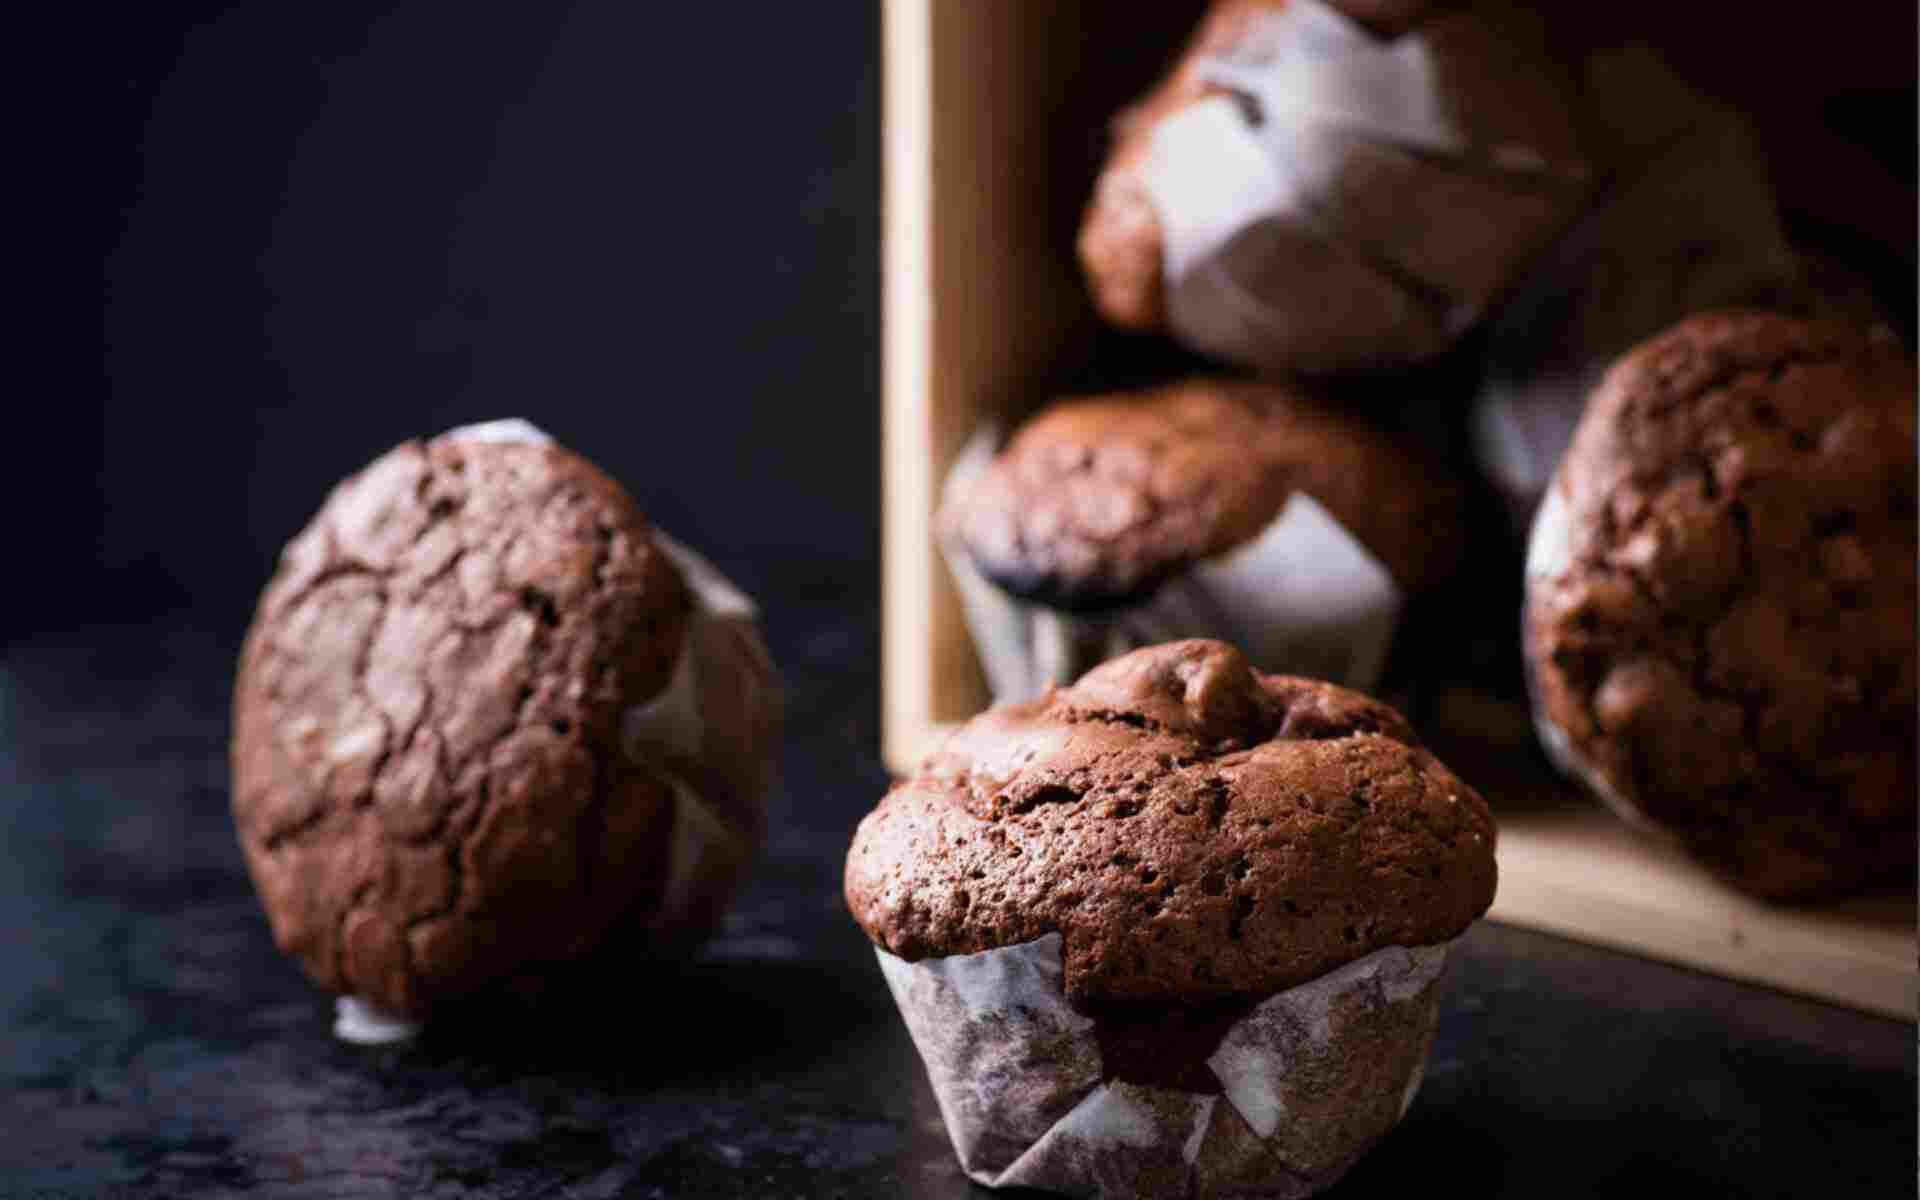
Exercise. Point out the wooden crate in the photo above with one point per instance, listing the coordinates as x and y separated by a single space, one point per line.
994 127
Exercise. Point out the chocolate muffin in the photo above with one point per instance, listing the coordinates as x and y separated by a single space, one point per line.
1332 187
1134 922
1096 502
1122 240
483 722
1721 600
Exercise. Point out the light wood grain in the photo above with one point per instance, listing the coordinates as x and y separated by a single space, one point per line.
909 604
1578 871
993 130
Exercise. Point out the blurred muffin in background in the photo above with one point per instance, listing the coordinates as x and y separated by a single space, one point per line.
487 719
1308 192
1247 511
1721 604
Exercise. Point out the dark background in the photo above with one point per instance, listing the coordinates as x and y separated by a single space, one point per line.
257 243
293 235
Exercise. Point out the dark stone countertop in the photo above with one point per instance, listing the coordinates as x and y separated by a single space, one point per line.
157 1045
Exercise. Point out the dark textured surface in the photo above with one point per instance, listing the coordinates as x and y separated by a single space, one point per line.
156 1044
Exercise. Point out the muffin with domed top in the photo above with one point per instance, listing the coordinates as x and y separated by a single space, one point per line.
1136 922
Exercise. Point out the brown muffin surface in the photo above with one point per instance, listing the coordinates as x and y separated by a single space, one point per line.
428 776
1097 501
1197 832
1721 598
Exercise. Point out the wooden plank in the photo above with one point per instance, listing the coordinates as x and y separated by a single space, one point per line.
906 468
992 133
1576 870
972 305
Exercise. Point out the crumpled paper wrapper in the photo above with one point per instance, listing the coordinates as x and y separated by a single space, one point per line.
1303 598
719 762
1549 554
1685 220
1310 1078
1356 202
700 733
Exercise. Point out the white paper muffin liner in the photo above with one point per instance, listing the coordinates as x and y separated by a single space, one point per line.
1302 598
667 727
365 1024
1311 1078
1549 554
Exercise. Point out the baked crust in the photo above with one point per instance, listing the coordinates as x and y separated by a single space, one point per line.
1721 618
1197 832
428 776
1096 502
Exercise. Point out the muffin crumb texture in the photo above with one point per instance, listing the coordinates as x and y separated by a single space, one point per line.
1197 832
1721 617
428 777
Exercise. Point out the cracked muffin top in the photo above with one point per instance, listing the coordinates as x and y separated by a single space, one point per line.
428 774
1194 830
1096 502
1721 598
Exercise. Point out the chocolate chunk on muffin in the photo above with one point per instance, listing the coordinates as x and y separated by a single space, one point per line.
1176 857
474 726
1096 502
1721 600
